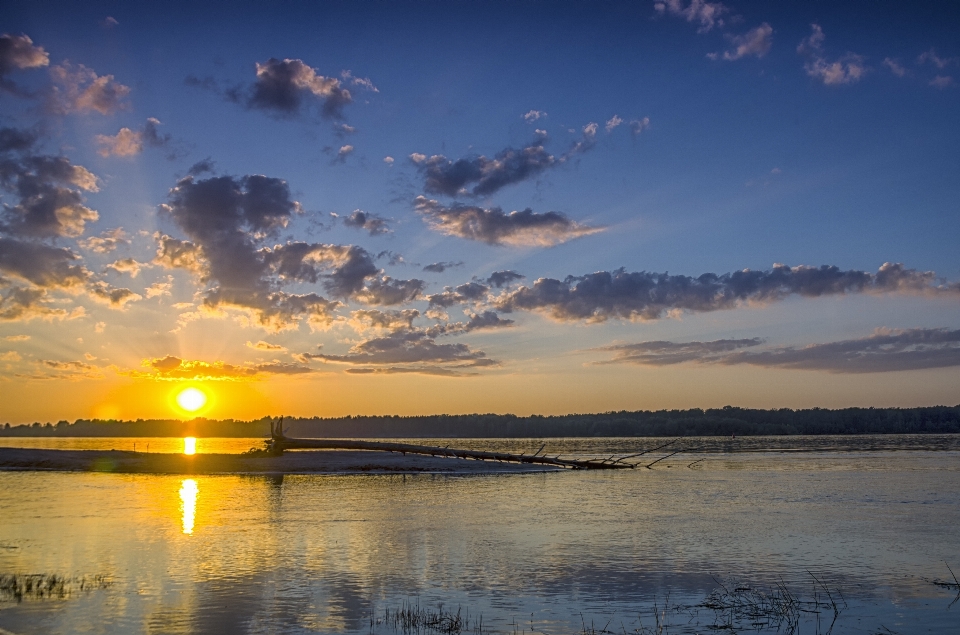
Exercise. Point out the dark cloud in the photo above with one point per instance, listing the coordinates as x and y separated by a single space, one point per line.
412 348
477 321
17 52
116 297
372 223
175 368
202 167
17 140
440 267
504 278
643 295
465 293
886 350
49 196
365 319
42 265
285 88
488 175
387 291
22 304
495 227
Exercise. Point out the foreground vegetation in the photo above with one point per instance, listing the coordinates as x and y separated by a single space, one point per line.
644 423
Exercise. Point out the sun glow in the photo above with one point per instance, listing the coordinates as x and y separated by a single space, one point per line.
189 445
191 399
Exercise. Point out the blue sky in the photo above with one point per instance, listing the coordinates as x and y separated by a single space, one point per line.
680 138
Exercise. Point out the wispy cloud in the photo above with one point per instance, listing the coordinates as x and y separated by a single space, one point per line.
847 69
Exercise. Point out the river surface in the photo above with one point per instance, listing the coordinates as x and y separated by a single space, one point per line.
848 532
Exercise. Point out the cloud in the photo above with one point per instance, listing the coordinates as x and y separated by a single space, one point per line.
388 160
533 115
366 319
605 295
128 143
493 226
17 140
362 82
23 304
386 291
886 350
16 338
80 89
42 265
127 265
71 370
408 347
504 278
895 67
174 253
934 59
343 153
17 52
373 224
941 81
109 22
470 292
612 123
639 125
440 267
847 69
286 88
707 14
106 242
266 346
477 321
49 196
756 42
116 297
160 288
172 368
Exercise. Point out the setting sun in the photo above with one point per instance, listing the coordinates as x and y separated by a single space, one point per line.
191 399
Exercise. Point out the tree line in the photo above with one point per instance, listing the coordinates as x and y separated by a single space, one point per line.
725 421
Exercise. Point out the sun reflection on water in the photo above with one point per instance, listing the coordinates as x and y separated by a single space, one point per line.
189 445
188 498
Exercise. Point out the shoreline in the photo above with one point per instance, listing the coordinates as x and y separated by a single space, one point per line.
298 462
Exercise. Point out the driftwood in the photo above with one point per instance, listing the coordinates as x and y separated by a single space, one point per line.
279 442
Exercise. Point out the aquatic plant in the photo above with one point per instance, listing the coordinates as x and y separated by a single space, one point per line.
412 618
41 586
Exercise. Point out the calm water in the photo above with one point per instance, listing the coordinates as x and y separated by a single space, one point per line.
537 552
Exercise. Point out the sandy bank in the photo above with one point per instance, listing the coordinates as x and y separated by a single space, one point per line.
312 462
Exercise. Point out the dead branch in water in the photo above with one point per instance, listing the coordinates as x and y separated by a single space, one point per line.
278 442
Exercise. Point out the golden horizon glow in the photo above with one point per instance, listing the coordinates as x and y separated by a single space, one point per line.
189 445
188 500
191 399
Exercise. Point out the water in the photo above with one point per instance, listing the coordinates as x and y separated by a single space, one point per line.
549 553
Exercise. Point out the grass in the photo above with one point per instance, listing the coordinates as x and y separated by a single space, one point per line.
412 618
43 586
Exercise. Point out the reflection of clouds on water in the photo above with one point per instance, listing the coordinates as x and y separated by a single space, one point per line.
188 500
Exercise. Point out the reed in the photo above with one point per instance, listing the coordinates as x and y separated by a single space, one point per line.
43 586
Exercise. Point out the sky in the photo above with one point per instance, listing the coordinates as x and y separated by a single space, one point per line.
340 208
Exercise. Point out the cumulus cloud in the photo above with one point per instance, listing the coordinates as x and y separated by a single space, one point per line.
486 320
707 14
886 350
440 267
159 288
106 242
533 115
172 368
504 278
42 265
387 291
287 88
116 297
80 89
371 223
127 142
605 295
388 160
755 42
22 304
49 196
847 69
17 140
613 122
367 319
127 265
496 227
17 52
470 292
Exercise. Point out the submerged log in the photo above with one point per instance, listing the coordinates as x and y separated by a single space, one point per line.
281 443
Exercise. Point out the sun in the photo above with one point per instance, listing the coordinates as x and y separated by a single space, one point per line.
191 399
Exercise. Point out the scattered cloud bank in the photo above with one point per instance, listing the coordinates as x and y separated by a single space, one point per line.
371 223
128 143
480 176
172 368
493 226
619 294
707 15
886 350
847 69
